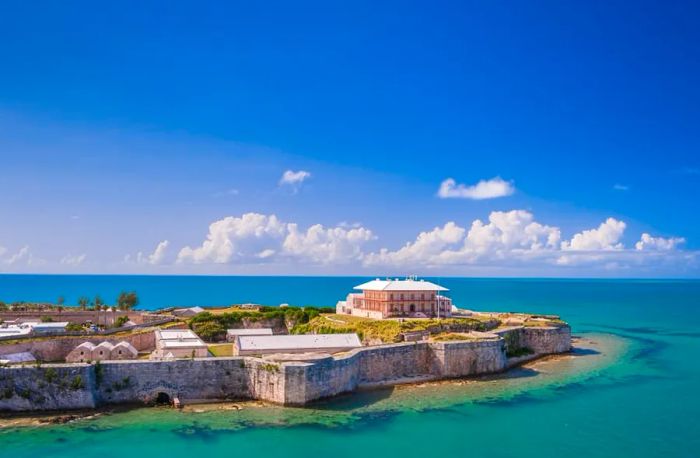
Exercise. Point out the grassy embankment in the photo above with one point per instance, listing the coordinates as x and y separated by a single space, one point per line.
212 326
388 331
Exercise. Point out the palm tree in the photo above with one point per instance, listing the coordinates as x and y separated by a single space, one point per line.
98 306
83 302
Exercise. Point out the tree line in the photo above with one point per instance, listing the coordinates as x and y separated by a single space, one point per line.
127 300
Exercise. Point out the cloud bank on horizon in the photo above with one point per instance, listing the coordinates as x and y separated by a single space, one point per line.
507 239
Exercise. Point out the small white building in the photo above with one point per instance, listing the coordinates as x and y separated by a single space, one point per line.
81 353
188 312
15 330
231 334
23 357
308 343
49 327
104 351
178 343
19 329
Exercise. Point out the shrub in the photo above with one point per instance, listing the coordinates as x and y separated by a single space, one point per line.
120 321
77 383
516 352
99 373
50 375
74 327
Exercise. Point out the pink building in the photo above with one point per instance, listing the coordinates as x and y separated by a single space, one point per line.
397 298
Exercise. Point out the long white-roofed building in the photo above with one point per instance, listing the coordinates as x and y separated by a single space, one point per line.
303 343
410 297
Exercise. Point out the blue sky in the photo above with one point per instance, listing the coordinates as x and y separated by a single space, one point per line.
125 126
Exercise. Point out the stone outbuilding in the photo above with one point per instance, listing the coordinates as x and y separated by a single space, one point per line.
124 350
104 351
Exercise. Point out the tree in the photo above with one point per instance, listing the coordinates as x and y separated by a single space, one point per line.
127 300
209 331
98 302
74 327
83 302
60 300
121 321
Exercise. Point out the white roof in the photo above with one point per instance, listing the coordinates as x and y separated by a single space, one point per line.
127 345
288 342
249 332
185 343
106 345
196 309
179 338
15 331
50 325
21 357
400 285
175 334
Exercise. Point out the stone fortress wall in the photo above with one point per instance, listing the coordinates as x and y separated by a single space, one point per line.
76 386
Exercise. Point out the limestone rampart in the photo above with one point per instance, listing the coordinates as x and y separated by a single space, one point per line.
74 386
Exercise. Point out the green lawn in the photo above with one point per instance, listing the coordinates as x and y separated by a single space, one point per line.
221 349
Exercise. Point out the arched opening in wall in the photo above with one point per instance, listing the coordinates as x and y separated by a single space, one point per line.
412 307
162 398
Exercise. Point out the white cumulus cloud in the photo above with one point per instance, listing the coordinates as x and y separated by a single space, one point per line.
70 260
512 235
155 258
294 179
24 257
484 189
233 238
21 256
606 237
649 243
425 249
323 245
253 237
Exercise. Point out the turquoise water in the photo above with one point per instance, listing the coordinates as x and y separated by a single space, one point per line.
634 394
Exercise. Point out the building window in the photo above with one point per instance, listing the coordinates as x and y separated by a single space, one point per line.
412 307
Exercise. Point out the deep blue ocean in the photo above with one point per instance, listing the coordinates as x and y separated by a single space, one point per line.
642 401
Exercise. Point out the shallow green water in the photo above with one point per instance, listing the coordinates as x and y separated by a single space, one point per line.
636 395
